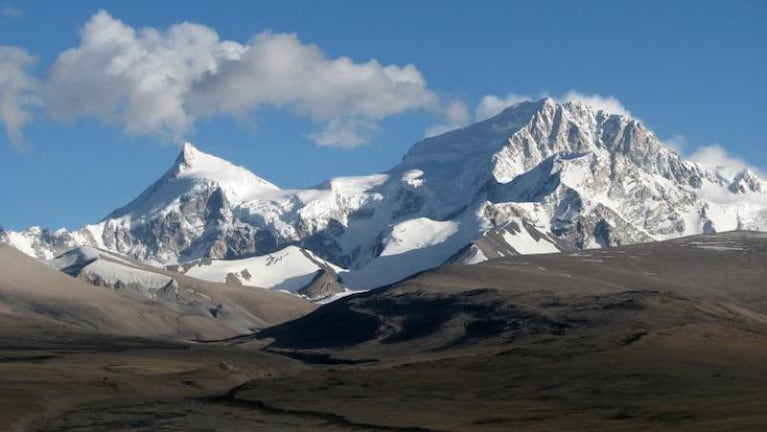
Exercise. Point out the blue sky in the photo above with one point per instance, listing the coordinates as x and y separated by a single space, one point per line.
342 87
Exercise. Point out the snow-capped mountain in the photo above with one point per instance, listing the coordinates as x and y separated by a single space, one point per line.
184 215
539 177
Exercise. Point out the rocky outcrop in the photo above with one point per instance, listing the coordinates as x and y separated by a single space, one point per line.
324 285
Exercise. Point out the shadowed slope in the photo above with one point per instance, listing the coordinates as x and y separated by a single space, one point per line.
622 290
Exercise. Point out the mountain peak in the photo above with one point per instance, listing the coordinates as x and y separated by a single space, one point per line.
195 165
191 158
192 163
578 107
547 101
194 172
188 154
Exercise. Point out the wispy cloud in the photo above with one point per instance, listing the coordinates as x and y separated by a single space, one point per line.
18 92
8 10
718 157
346 133
608 104
677 142
492 105
456 115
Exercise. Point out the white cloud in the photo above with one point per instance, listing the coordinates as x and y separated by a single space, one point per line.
161 82
492 105
456 114
677 142
717 156
346 133
278 69
608 104
136 79
17 92
438 129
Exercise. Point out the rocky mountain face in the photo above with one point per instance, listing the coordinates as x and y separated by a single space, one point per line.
539 177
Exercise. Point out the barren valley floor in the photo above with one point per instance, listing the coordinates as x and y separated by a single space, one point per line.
667 336
688 378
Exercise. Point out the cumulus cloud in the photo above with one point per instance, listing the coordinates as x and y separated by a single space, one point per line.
17 92
151 81
718 157
278 69
492 105
163 81
136 79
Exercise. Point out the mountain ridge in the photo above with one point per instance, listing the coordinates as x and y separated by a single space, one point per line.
541 176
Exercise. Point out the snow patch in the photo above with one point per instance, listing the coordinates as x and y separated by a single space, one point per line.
288 269
417 234
413 177
525 243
